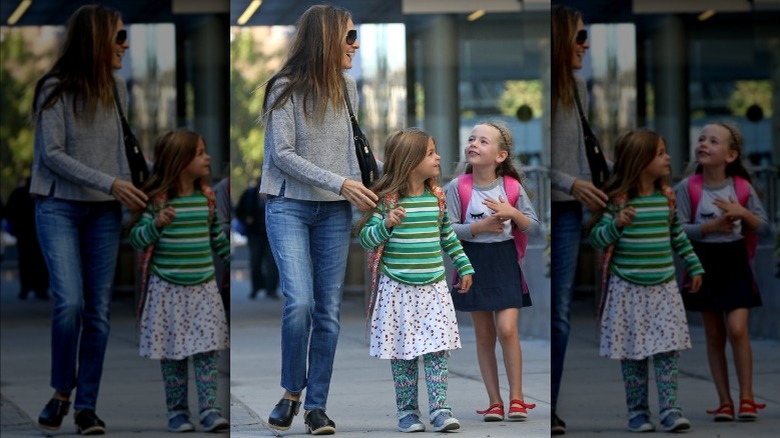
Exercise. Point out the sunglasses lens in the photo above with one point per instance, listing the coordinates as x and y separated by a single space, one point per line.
582 36
351 37
121 36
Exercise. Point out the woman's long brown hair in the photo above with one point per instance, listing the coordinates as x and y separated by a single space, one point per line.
564 29
84 64
313 66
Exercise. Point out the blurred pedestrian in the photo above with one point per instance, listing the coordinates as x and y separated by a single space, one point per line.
250 211
20 214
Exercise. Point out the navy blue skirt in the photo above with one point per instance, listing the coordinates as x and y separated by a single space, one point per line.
728 281
498 280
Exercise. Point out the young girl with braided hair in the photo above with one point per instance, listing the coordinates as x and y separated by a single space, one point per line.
492 215
721 213
183 315
413 316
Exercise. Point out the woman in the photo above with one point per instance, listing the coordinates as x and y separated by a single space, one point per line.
311 177
572 188
79 173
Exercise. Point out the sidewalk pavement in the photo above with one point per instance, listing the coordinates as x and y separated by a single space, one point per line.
592 400
131 400
362 398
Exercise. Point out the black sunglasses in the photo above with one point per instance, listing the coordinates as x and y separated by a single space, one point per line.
351 36
582 36
121 37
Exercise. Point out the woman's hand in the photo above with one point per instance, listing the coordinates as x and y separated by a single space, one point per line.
395 217
588 195
464 284
126 193
358 195
164 217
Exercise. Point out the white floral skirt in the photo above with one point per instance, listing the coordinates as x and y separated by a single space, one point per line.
179 321
640 321
409 321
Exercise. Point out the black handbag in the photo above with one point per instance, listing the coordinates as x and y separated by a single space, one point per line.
599 172
369 170
139 170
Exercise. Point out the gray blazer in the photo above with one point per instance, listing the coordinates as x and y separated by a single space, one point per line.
78 159
310 159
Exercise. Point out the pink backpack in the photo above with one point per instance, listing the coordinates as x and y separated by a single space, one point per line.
742 188
512 187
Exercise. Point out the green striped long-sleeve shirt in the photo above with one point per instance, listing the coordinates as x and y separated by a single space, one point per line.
412 253
182 251
643 249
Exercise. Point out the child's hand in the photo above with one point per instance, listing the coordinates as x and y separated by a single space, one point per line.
395 217
694 284
625 217
503 210
464 284
721 224
733 210
491 224
164 217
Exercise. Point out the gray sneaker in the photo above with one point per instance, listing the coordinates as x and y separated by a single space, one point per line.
640 423
411 423
445 422
675 422
180 423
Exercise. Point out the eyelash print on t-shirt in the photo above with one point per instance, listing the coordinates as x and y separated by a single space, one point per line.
708 215
477 216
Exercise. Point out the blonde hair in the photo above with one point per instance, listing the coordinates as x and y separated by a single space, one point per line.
504 141
736 143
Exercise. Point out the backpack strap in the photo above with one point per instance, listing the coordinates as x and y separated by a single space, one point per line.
375 256
618 202
144 257
695 187
465 185
512 187
742 189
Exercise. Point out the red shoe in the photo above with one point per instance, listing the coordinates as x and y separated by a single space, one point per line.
748 410
519 412
724 413
494 413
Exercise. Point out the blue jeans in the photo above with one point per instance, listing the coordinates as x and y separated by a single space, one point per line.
80 242
309 241
565 245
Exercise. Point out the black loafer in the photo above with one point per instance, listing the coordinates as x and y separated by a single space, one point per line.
88 423
52 414
317 423
282 416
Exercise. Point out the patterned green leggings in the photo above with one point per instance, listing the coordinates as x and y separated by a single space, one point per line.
405 378
635 380
174 373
